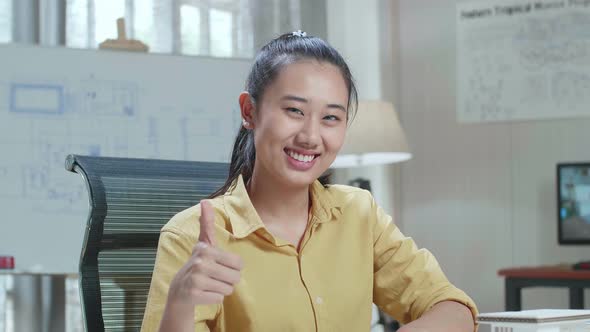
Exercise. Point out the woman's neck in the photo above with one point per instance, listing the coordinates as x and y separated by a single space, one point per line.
275 203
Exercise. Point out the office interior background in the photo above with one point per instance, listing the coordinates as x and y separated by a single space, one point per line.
480 195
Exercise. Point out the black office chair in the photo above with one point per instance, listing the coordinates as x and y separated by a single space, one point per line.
130 201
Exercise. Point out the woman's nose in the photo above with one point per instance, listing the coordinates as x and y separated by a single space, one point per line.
309 135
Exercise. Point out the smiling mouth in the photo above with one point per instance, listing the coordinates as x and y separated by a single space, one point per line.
301 157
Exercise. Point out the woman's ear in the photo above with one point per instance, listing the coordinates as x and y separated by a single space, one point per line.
247 110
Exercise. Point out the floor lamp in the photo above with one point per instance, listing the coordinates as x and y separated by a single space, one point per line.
375 137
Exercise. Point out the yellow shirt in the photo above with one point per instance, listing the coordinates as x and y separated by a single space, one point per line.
351 255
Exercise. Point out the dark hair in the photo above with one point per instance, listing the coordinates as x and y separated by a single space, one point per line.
284 50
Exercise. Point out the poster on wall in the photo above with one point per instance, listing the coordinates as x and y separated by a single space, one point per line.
522 60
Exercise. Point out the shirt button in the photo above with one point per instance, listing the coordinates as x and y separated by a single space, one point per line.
319 300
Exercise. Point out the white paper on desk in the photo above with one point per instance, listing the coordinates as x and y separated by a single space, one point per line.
535 316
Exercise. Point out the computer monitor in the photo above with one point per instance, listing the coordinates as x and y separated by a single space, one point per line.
573 202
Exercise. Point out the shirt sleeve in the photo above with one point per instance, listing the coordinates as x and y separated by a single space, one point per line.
173 252
407 281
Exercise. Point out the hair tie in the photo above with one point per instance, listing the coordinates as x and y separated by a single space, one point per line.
299 33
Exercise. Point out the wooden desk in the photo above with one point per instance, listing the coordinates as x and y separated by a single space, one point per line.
38 298
544 276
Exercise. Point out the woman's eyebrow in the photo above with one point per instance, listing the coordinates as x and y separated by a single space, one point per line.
337 106
303 100
294 98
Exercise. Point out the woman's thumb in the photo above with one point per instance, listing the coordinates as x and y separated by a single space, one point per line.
207 223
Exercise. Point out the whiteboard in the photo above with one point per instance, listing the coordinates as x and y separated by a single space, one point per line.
57 101
523 60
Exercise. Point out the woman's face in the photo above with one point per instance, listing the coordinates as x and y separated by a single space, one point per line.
300 123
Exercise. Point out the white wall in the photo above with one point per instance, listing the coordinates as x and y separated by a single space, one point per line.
356 29
480 196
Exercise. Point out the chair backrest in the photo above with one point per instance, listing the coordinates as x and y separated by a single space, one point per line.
130 201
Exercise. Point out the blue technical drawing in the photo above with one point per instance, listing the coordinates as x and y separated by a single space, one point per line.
94 150
39 89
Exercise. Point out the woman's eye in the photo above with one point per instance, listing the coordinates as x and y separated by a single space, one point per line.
294 110
331 117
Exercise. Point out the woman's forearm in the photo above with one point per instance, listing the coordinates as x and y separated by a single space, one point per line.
178 317
446 316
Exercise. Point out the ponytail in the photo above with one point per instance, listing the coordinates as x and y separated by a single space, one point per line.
242 161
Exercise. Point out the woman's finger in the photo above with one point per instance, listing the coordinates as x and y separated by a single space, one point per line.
224 274
228 259
211 285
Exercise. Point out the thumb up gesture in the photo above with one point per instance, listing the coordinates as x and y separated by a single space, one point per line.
210 273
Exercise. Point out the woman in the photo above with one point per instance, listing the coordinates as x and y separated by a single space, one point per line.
274 249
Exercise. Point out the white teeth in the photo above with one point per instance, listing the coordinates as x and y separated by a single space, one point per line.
300 157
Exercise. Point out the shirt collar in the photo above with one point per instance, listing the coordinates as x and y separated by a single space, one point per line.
245 220
324 207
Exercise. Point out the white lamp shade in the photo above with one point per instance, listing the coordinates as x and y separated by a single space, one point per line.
374 137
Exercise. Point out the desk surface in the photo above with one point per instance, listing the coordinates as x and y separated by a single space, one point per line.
545 272
35 273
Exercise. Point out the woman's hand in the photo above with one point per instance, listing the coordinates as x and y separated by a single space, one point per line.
210 273
411 329
208 276
446 316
